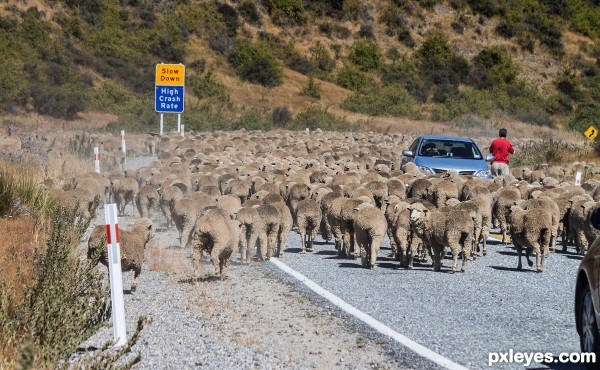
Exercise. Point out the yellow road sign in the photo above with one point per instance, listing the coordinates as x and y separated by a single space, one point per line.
170 75
591 132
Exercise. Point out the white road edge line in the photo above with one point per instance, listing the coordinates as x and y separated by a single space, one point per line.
379 326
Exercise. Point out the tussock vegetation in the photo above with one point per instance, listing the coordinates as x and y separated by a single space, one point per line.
51 297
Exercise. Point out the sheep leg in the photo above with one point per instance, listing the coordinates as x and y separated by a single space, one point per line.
539 257
455 252
136 278
528 255
393 244
376 241
303 239
281 240
519 255
271 243
313 236
261 250
250 245
437 258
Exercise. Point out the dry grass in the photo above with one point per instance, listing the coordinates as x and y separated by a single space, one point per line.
167 260
18 249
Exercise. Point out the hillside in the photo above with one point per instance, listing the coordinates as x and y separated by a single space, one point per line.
340 64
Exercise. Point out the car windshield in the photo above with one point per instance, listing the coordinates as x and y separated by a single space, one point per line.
449 148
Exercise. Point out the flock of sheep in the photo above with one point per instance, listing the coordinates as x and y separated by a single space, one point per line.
235 194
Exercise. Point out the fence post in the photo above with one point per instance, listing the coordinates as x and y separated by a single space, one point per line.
182 130
116 276
96 159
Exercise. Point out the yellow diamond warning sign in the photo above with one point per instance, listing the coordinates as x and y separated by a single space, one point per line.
170 74
591 132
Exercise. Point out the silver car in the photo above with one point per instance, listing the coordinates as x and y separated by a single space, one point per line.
438 154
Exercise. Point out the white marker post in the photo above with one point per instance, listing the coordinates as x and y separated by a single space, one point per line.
307 131
182 130
123 148
178 122
96 159
161 124
578 179
116 277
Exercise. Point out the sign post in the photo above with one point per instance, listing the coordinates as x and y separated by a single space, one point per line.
116 277
169 91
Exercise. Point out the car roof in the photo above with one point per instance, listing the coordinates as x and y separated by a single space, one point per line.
444 137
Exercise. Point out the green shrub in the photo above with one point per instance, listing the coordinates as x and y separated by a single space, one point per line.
281 117
391 100
405 73
207 86
314 118
365 55
285 11
249 12
352 78
255 63
321 58
253 120
493 66
312 89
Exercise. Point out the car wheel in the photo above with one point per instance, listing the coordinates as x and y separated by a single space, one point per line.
589 338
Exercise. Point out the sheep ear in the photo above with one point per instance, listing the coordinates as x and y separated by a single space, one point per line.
150 227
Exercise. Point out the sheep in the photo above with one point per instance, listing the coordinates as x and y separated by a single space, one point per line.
297 193
419 189
133 244
483 198
444 227
251 224
442 190
229 203
285 225
548 204
169 195
146 200
577 219
124 191
401 234
379 191
504 199
216 234
531 229
370 228
269 229
308 215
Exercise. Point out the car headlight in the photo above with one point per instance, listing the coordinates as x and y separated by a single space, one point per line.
425 169
484 174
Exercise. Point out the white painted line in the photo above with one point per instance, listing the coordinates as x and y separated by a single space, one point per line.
369 320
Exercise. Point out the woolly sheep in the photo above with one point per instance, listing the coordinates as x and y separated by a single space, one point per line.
547 204
577 219
308 215
370 228
441 228
229 203
504 199
531 229
146 200
124 191
251 224
216 234
133 244
169 195
268 229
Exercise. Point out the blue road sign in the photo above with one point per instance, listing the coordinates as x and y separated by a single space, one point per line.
169 99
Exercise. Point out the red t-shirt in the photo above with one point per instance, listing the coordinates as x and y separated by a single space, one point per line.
500 148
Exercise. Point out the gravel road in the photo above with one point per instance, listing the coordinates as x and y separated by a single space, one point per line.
259 317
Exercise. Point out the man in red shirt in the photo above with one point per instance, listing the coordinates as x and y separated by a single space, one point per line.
500 149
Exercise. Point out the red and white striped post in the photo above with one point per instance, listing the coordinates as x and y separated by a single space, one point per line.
96 159
116 277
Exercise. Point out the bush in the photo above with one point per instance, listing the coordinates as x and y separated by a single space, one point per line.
406 74
366 31
281 117
312 89
352 78
321 58
314 118
391 100
285 11
250 13
493 66
206 86
585 116
365 55
253 120
255 63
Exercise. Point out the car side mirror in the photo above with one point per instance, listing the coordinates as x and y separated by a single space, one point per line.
408 153
595 218
489 158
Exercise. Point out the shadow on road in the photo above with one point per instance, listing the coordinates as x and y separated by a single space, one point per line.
514 269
